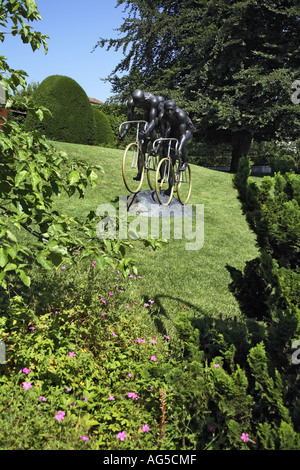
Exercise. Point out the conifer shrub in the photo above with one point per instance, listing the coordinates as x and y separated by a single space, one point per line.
268 289
72 117
103 132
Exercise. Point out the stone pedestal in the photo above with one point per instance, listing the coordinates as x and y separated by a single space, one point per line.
145 203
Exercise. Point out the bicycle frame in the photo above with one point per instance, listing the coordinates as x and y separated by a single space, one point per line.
170 140
137 129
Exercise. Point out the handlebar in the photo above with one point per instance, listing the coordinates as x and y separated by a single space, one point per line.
169 139
131 122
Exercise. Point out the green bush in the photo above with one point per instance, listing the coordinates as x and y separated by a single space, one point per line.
104 133
72 114
87 361
116 114
268 289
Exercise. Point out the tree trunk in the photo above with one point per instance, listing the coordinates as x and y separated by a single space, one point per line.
241 142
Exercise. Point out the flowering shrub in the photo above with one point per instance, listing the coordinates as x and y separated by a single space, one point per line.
88 369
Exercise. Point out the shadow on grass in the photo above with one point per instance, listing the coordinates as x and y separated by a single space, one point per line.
215 332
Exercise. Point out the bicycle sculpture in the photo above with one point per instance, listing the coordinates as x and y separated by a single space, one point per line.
134 162
167 158
171 176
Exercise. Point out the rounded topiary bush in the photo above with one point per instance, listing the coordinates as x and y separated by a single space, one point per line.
104 133
72 114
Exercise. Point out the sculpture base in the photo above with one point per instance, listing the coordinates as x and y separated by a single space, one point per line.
145 203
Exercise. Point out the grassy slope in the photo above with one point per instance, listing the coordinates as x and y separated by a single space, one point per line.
174 276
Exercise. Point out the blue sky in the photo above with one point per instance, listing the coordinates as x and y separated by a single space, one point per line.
74 27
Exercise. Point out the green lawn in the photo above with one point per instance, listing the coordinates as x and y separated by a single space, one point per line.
175 277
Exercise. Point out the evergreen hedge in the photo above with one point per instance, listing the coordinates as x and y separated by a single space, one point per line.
103 134
268 290
72 114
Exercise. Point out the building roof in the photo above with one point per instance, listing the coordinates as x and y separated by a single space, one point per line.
95 101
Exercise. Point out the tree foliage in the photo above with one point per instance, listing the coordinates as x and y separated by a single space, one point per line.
32 172
230 64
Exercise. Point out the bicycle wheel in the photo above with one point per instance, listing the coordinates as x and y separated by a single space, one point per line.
164 181
184 185
133 159
152 162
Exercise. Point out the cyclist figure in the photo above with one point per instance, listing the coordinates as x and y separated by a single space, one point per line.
151 105
175 123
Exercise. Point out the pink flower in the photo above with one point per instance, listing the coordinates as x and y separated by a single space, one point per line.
114 334
140 340
132 395
60 415
32 328
68 389
26 371
111 397
129 375
103 314
71 354
153 358
217 365
122 435
151 301
145 428
26 385
245 437
103 300
152 341
63 268
85 398
130 275
84 438
43 399
110 294
167 337
146 305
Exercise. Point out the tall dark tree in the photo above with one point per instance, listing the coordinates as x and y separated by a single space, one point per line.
230 63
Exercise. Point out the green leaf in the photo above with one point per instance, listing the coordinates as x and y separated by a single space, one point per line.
26 279
47 264
58 249
20 176
73 177
12 251
35 178
39 114
11 236
10 267
94 178
3 257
